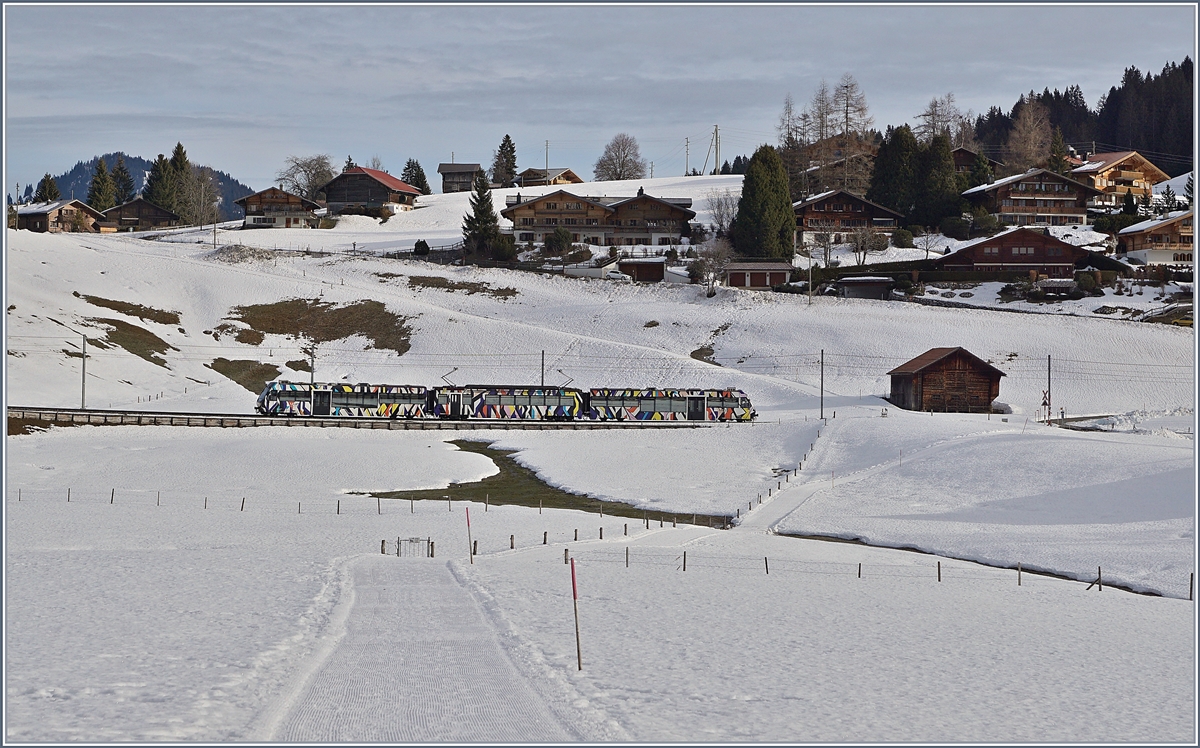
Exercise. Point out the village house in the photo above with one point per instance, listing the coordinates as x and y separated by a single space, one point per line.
1116 174
757 276
364 191
964 160
547 177
602 221
1159 241
1019 250
839 211
139 214
1037 197
458 177
948 380
275 208
59 216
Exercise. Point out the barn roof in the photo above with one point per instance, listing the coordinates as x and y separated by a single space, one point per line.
140 199
934 355
382 177
456 168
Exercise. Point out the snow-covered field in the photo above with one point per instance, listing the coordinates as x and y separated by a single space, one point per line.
135 613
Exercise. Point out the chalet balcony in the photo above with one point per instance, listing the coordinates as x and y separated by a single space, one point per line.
1030 210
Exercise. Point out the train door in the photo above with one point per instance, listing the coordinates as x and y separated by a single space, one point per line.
695 408
320 403
456 405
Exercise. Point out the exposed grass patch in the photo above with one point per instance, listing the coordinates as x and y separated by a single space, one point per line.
705 354
520 486
133 310
20 426
651 323
321 322
252 375
299 365
445 284
136 340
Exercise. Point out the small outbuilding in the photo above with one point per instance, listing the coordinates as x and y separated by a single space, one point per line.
760 276
138 214
865 287
948 380
644 269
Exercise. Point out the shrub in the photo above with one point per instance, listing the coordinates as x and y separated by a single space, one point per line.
558 242
1086 281
504 249
902 238
421 248
903 284
1076 295
955 228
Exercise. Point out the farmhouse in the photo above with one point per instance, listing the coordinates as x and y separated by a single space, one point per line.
611 221
366 191
950 380
59 216
138 214
275 208
839 211
1037 197
1160 241
757 276
546 177
964 159
1019 249
1116 174
458 177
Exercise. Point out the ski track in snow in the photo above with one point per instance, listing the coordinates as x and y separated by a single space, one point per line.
418 663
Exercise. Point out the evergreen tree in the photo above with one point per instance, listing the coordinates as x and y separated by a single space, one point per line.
981 172
1128 206
937 191
47 190
765 225
726 168
1188 189
481 228
160 188
414 175
504 163
1145 205
1058 154
349 164
123 188
101 192
1169 202
893 179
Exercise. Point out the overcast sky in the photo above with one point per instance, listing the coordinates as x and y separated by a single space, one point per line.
244 87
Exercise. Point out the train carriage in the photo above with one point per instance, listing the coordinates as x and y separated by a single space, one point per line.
669 405
525 403
343 400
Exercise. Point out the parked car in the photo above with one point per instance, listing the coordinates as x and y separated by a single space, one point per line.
616 275
1184 321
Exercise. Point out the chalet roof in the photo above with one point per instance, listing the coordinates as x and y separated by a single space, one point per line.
934 355
606 202
750 267
866 279
1154 223
457 168
1101 161
304 202
1038 232
805 203
1017 177
546 173
965 149
679 203
387 180
140 199
36 209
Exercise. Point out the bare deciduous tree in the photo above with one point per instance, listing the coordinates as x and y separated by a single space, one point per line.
306 175
1029 141
943 117
710 263
622 159
824 241
723 204
928 241
376 163
866 241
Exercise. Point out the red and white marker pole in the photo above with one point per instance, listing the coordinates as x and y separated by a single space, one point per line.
575 600
470 548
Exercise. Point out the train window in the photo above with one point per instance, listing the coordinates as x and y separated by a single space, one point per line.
646 405
745 402
490 399
507 400
520 399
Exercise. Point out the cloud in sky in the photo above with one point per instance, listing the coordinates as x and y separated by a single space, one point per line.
243 87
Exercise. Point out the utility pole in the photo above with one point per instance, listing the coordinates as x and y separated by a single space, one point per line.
547 155
652 170
312 365
1049 407
717 141
83 380
687 152
543 368
822 384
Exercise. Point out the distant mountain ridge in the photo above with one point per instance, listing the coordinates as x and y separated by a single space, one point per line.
75 182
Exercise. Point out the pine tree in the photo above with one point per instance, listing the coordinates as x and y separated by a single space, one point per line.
765 225
101 192
1188 189
893 179
47 190
1169 202
414 175
726 168
1128 205
481 228
981 172
1058 154
349 164
504 163
123 188
937 185
1145 205
160 188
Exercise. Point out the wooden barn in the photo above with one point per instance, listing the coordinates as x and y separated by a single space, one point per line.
458 177
948 380
139 214
371 192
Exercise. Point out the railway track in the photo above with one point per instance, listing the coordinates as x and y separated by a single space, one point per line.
77 416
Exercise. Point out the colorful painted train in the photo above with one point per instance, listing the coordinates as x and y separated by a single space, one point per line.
525 403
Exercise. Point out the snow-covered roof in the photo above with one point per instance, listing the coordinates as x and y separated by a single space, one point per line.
38 208
1098 161
1008 180
1154 223
825 194
866 279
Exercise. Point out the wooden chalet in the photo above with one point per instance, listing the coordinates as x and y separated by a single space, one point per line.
1016 250
839 211
60 216
275 208
1118 173
139 214
757 276
602 221
364 191
1168 240
458 177
1037 197
547 177
949 380
964 160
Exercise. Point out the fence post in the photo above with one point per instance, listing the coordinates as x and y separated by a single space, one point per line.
577 533
545 537
512 542
383 547
378 506
431 549
766 565
602 533
1018 573
475 548
685 560
112 497
939 571
565 558
339 506
244 505
860 569
626 528
627 562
